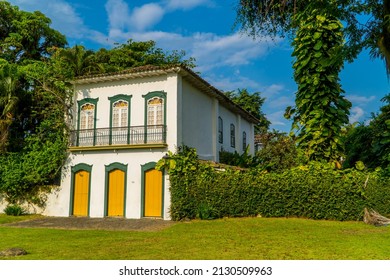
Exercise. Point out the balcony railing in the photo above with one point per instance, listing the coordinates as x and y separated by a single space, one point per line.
131 135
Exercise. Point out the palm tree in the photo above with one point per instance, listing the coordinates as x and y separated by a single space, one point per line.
384 41
8 102
81 61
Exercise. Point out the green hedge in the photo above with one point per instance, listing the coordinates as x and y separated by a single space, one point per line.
316 191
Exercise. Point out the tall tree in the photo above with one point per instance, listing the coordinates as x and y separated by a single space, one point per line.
252 103
79 60
378 30
133 54
320 109
26 35
8 100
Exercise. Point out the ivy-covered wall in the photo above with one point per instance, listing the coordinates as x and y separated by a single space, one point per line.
316 191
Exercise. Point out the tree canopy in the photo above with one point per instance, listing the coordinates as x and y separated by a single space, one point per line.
323 34
367 22
252 103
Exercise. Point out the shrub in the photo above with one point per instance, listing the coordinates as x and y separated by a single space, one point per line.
316 191
14 210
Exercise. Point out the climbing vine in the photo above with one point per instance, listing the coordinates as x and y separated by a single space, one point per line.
320 108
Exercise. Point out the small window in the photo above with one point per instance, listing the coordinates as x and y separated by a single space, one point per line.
244 141
220 130
232 136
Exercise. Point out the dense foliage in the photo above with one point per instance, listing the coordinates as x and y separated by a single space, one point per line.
370 143
316 190
278 152
252 103
279 18
321 110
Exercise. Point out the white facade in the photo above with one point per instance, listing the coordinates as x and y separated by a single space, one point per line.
124 123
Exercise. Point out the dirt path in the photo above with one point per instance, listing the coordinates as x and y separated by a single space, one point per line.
85 223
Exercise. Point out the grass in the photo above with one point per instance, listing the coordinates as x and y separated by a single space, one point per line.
225 239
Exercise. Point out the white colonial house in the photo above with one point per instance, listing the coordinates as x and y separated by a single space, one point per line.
125 122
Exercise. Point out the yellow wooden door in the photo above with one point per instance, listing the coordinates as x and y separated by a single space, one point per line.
153 193
116 193
81 193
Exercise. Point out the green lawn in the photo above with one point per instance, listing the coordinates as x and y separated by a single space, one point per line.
234 239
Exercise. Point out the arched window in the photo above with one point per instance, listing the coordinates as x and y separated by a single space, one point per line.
155 111
86 134
120 111
155 114
87 116
119 133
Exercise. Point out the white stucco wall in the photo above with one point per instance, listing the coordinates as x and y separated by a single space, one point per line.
198 114
59 202
228 118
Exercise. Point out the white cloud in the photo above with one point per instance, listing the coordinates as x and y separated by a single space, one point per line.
146 16
64 18
356 114
360 99
118 14
232 82
273 90
277 119
281 102
187 4
211 50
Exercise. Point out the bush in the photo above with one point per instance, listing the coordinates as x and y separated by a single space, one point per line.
14 210
278 152
316 191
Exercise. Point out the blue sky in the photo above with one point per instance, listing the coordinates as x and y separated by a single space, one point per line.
205 29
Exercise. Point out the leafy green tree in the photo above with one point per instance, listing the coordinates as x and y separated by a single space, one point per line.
378 30
8 100
252 103
278 152
321 110
358 145
79 60
26 35
283 18
381 130
370 143
134 54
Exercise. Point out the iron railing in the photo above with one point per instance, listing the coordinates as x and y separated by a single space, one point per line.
130 135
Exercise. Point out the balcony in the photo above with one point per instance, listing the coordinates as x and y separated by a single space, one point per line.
118 137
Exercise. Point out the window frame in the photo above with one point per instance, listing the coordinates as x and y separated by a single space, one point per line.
244 141
220 130
80 104
113 100
147 97
232 135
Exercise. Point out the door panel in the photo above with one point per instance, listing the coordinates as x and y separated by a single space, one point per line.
116 193
153 193
81 193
